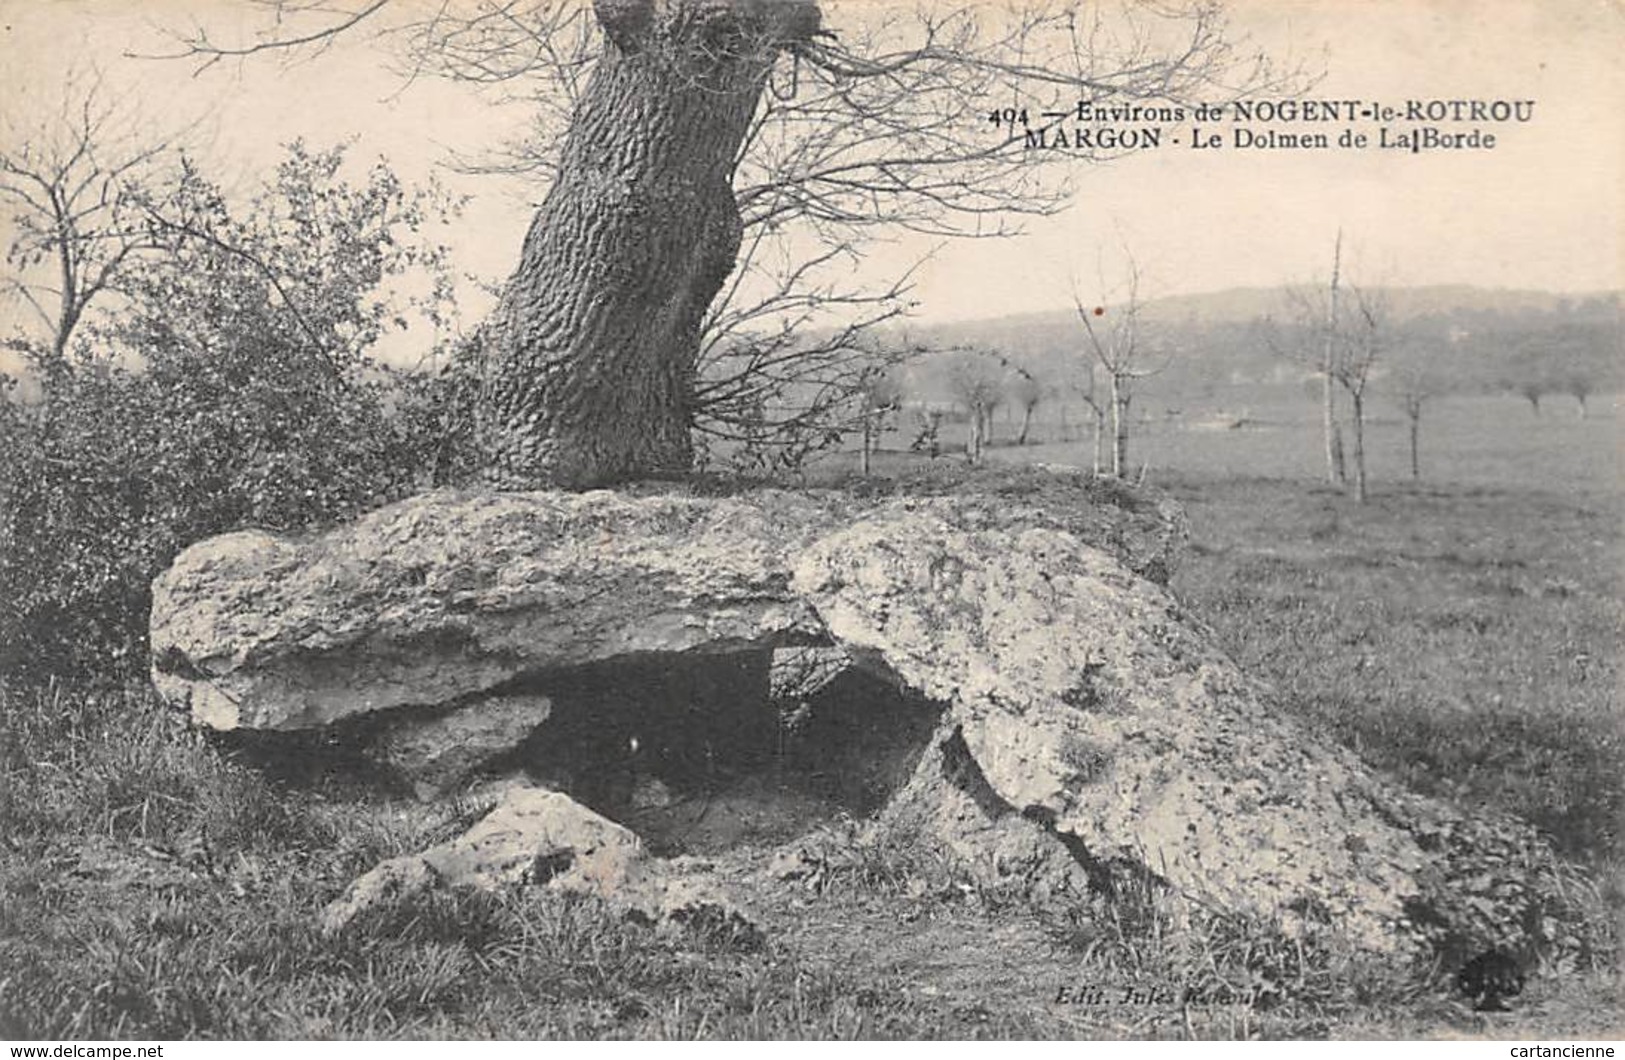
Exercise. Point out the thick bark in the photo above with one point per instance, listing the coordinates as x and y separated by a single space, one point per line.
589 362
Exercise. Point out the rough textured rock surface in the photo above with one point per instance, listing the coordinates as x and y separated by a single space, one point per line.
1087 728
447 595
1089 702
545 838
435 753
442 597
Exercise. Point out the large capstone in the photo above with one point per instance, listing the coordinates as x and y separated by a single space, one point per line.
994 671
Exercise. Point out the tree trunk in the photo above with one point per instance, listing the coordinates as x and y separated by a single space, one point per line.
1335 472
973 445
1359 446
590 357
1026 425
68 314
1120 425
1416 432
1100 436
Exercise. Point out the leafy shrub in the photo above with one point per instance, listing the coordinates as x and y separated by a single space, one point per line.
233 389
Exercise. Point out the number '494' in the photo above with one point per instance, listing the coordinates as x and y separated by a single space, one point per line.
1011 116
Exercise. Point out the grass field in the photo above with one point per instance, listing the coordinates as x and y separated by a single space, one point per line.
1462 633
1274 432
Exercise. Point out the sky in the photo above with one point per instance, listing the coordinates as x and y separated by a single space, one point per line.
1543 210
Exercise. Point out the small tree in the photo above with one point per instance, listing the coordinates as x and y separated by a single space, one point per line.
71 186
1311 338
1027 392
1118 345
1571 349
1359 347
1343 346
976 378
1415 380
1087 389
882 397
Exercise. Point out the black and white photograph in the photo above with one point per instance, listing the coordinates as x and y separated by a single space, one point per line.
811 519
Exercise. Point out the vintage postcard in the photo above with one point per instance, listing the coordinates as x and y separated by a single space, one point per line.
770 519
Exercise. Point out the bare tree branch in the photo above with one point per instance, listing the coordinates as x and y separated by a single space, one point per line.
198 46
69 184
1114 329
875 124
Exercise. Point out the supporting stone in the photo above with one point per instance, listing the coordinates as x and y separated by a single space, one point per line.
544 838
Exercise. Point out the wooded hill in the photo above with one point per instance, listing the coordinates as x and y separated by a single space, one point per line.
1474 340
